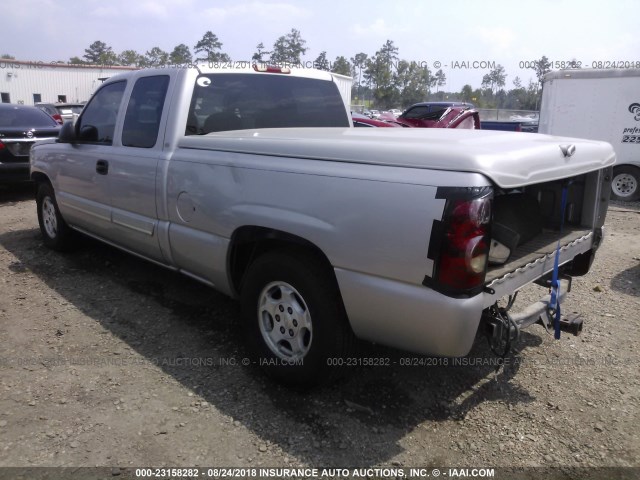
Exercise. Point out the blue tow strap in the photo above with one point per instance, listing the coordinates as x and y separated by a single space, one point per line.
554 302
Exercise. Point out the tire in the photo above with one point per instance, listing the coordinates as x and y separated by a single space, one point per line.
56 234
626 183
294 319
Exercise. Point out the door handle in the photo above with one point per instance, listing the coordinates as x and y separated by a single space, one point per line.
102 167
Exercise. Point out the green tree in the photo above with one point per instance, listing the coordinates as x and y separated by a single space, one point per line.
209 46
379 73
260 53
181 55
412 82
289 48
516 97
494 80
517 83
532 98
156 57
466 94
541 67
6 56
76 61
342 66
99 53
321 62
359 62
129 58
440 80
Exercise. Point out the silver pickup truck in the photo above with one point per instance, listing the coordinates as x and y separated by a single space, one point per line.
255 182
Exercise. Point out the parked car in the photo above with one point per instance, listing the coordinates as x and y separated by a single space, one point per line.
375 113
51 110
421 108
69 111
387 115
395 112
509 126
525 118
20 127
61 112
362 121
439 115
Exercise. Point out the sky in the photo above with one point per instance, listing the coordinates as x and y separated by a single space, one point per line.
465 38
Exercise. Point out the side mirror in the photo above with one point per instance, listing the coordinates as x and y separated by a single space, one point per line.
88 133
67 133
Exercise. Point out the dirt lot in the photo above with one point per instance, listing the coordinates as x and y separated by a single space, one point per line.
106 360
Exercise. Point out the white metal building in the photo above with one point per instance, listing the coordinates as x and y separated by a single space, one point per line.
29 83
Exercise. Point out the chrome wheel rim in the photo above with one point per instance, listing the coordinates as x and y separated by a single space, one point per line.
49 217
284 321
624 185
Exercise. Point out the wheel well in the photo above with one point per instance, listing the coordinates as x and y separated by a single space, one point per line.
250 242
625 166
39 177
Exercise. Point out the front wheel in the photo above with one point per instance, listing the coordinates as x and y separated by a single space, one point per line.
626 183
56 234
294 318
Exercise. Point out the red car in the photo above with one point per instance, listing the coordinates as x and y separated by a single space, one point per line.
363 121
440 115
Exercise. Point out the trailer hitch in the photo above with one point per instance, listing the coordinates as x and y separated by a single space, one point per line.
571 323
502 329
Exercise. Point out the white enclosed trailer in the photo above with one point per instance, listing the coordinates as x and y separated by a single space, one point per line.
598 105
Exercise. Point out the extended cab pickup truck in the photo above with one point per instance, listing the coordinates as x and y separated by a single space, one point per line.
255 182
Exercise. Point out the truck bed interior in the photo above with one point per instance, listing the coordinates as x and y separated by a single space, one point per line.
582 214
544 244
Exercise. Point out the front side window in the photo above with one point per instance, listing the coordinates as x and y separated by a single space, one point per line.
233 101
98 121
142 120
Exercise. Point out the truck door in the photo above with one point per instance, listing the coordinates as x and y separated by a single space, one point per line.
82 188
133 170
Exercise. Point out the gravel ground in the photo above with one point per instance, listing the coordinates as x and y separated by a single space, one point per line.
106 360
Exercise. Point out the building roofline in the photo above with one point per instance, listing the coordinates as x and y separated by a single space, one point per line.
37 64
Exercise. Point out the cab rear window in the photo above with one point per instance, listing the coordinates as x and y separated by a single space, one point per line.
232 101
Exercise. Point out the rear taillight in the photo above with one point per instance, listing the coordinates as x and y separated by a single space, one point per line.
58 118
460 242
1 145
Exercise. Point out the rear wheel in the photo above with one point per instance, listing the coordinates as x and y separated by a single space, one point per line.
294 318
626 183
56 234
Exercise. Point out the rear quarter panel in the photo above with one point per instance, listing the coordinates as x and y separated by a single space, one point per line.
372 222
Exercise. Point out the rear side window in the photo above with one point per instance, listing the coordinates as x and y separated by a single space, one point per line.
233 101
142 120
98 121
